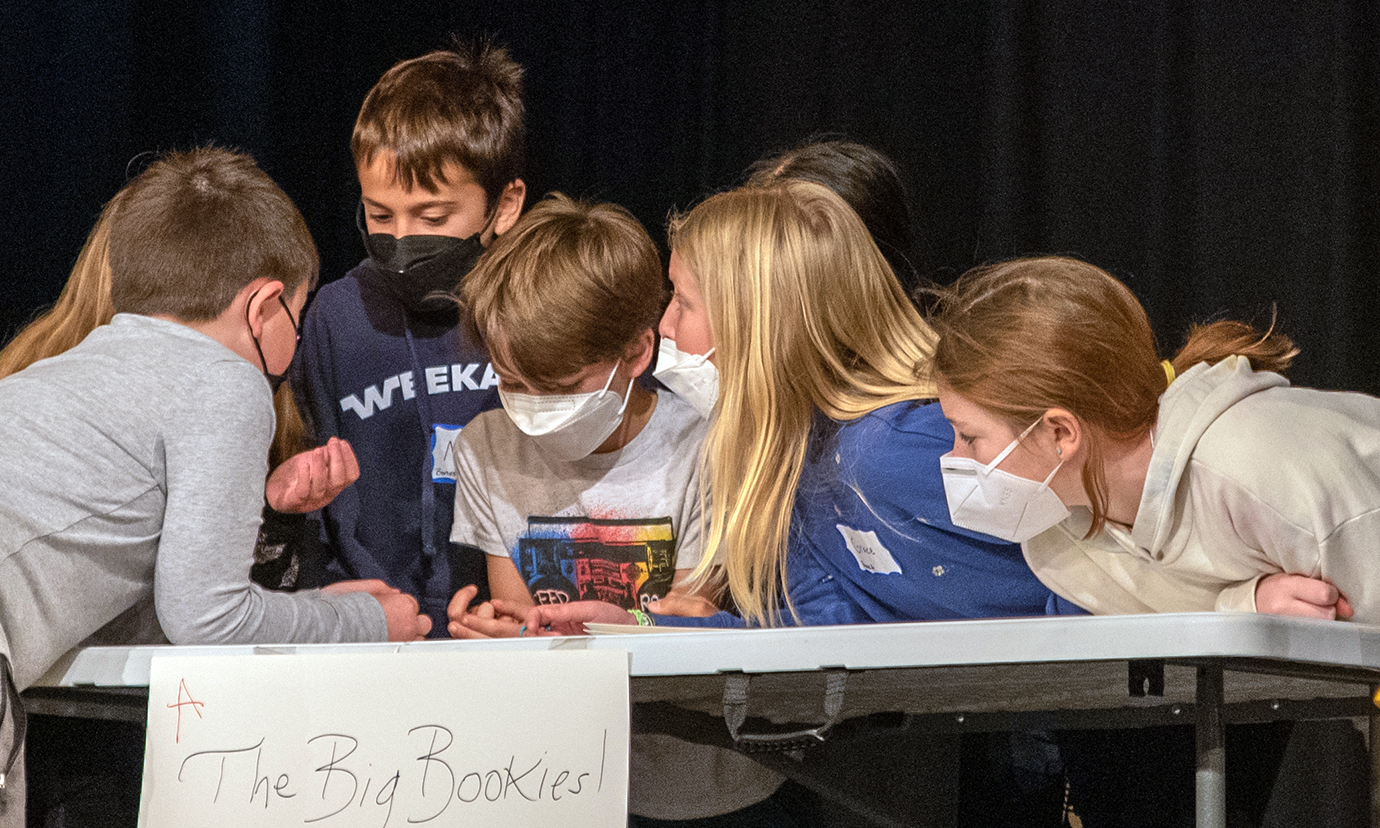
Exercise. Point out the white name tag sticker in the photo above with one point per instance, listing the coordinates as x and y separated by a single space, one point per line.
443 453
871 554
396 739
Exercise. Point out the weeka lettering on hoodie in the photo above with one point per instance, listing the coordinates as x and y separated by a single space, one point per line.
438 379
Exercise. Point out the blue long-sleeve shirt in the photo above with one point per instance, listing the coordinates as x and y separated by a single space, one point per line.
871 539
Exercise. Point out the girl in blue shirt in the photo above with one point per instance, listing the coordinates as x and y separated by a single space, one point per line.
824 503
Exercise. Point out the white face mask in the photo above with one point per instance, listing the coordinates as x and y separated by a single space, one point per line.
691 376
998 503
568 426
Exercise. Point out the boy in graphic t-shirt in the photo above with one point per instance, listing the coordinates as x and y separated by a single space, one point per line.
585 484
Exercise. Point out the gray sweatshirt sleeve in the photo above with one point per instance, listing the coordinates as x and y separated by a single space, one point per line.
215 452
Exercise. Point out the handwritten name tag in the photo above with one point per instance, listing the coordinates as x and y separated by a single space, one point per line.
378 740
868 549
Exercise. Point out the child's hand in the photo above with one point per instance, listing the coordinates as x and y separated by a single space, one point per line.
309 480
405 623
1285 594
491 619
460 603
689 605
570 619
495 619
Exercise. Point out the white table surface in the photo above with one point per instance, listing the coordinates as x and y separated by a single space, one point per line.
1171 637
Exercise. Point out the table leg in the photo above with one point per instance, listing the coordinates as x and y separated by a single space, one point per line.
1373 740
1211 779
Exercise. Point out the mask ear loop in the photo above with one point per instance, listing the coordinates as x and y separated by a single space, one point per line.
263 363
609 381
627 395
1058 451
1006 452
1045 484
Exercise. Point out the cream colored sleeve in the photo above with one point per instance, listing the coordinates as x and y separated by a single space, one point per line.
1239 597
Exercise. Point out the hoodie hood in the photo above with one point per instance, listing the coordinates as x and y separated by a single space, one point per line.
1192 403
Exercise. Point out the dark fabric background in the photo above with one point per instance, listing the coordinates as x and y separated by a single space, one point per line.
1219 155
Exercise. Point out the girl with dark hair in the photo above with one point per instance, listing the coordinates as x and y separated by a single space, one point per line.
868 181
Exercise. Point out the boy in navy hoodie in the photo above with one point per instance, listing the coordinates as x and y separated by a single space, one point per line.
385 363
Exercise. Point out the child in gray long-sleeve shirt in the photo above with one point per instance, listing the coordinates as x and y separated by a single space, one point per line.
132 466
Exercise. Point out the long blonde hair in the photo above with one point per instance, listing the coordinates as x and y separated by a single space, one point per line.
806 317
83 305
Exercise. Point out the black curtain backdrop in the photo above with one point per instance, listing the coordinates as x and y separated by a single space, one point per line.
1219 156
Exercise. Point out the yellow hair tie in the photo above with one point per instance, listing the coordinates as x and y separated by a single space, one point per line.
1168 372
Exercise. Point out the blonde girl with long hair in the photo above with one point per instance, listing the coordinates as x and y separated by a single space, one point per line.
824 501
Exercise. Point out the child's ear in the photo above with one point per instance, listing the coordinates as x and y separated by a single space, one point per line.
510 206
1067 432
638 355
260 301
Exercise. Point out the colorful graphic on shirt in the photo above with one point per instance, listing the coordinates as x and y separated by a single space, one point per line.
628 562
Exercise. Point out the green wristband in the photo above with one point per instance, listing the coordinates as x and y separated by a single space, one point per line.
643 619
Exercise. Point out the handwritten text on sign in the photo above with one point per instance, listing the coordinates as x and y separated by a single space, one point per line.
378 740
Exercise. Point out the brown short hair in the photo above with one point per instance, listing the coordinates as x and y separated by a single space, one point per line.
195 228
571 284
455 106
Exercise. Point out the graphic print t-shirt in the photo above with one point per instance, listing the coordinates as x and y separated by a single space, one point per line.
624 562
610 527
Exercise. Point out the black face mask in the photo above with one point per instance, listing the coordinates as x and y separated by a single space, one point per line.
421 272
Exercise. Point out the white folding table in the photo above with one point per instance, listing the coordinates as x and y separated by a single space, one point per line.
785 689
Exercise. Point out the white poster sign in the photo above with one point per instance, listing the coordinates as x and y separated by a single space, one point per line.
379 740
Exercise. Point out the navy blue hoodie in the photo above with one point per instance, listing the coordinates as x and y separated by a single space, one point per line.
398 385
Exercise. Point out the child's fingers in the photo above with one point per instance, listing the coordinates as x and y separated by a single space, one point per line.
490 627
545 619
509 610
462 631
1308 609
1344 608
683 605
1316 591
460 602
349 463
570 619
339 467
